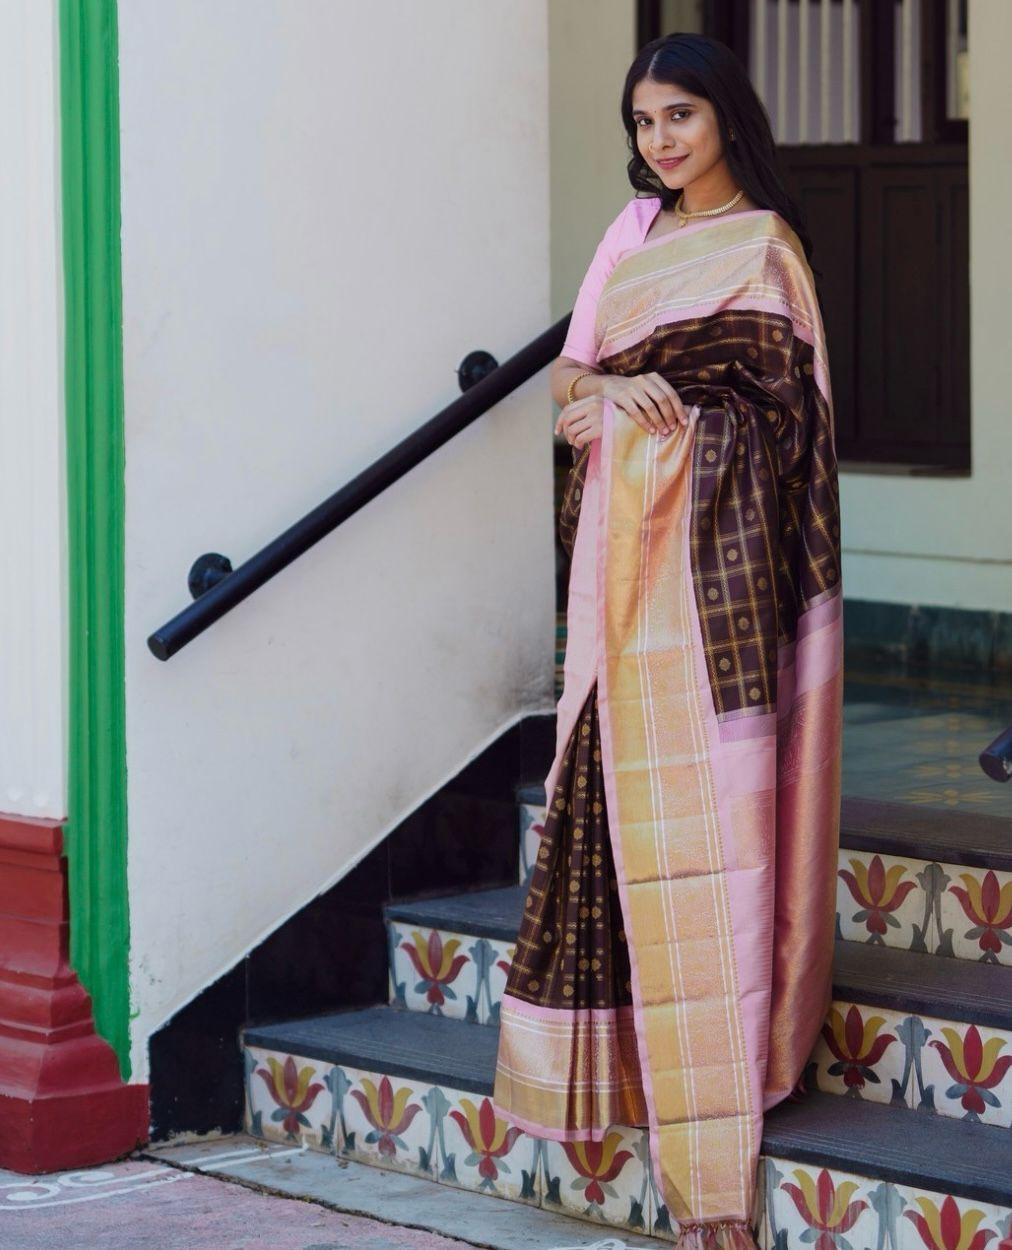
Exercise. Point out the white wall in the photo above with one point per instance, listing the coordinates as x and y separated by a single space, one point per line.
325 206
592 43
946 541
33 636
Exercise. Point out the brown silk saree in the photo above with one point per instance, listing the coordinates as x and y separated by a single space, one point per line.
674 962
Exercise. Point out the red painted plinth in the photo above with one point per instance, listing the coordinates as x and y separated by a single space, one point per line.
62 1103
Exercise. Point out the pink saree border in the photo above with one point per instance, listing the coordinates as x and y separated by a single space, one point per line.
608 770
566 1014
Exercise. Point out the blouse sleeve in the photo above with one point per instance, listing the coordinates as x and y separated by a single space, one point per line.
580 343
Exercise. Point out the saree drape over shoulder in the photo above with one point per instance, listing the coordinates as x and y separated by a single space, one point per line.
689 848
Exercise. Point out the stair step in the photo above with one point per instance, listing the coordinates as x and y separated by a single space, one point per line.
957 1157
908 830
951 866
918 983
493 914
935 834
879 976
933 1152
409 1044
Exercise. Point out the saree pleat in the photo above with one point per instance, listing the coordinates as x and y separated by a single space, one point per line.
567 1003
702 713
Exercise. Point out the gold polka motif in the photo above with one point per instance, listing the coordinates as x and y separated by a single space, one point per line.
743 622
753 352
754 692
712 593
724 663
750 514
732 553
568 953
777 335
762 583
710 455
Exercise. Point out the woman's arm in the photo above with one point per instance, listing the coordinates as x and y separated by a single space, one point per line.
563 370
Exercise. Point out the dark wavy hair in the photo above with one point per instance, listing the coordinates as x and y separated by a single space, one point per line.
707 67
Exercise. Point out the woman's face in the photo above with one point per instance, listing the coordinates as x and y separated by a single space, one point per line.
670 122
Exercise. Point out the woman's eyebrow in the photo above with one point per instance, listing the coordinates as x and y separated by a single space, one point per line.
678 104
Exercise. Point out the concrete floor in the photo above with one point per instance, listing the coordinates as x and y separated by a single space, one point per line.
143 1205
232 1194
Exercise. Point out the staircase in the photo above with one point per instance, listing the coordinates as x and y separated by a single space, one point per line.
904 1140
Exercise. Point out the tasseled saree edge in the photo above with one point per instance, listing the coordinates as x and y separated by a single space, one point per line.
716 1235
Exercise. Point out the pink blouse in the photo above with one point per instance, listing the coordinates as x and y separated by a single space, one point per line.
627 230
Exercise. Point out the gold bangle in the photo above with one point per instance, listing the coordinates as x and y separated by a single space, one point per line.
569 393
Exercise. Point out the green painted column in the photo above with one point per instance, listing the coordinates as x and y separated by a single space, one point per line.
97 806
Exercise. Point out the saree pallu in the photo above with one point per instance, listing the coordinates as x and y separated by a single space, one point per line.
701 713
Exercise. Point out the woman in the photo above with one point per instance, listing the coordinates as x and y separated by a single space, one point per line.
673 966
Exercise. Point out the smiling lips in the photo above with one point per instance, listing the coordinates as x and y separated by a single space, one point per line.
671 162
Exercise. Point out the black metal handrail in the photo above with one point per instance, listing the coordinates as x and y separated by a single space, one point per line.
217 588
996 757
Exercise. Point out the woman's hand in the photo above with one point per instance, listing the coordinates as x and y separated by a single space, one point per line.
648 398
582 420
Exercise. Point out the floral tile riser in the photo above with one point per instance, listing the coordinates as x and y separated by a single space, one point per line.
915 1062
455 1138
287 1098
447 974
921 905
807 1205
530 815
